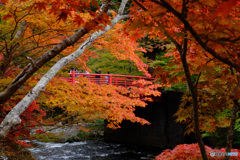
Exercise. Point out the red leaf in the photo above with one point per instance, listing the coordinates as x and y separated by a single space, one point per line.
4 1
40 6
40 131
22 143
7 16
78 19
64 14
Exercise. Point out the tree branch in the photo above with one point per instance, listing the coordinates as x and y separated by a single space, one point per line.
234 92
140 5
31 61
21 30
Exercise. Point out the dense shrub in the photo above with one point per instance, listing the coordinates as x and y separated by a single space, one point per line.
192 152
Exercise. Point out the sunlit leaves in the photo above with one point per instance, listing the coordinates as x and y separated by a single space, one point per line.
89 101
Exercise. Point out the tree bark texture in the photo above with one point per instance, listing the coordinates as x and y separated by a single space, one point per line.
231 128
193 91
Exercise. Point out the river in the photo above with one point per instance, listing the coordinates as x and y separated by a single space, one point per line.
89 150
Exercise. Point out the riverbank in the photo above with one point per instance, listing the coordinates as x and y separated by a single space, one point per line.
82 141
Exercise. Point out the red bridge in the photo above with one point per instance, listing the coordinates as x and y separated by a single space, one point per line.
117 80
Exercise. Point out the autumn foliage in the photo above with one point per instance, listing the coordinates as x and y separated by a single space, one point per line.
29 30
204 37
89 101
192 152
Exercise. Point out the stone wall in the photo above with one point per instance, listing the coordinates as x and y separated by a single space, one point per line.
163 132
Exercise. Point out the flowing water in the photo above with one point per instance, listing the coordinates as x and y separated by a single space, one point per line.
88 150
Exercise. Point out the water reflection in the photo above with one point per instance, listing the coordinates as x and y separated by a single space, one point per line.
88 150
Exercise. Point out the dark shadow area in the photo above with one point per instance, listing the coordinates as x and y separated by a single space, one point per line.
163 132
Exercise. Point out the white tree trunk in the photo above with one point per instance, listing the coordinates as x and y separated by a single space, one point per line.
12 118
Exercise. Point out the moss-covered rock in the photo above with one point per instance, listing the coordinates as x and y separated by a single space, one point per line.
48 137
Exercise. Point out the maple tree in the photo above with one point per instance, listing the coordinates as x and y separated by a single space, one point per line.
201 33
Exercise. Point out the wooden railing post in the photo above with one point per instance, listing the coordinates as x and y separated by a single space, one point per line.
110 79
73 77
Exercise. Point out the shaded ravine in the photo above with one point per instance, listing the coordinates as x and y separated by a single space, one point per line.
88 150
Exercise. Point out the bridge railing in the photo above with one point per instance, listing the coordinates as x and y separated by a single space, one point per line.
112 79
